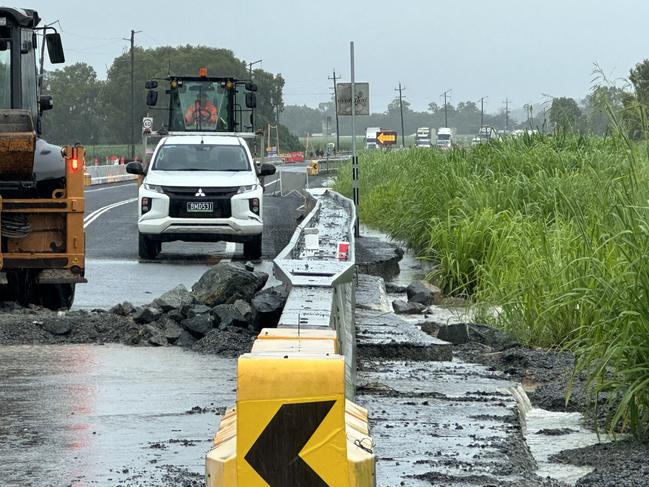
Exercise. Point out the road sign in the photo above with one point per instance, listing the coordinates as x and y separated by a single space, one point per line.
147 124
386 138
344 98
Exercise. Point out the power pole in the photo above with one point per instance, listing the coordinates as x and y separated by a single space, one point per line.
506 114
482 110
403 132
132 124
445 94
334 79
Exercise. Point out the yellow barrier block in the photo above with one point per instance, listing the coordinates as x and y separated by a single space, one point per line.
296 345
314 168
361 464
87 179
308 334
221 465
291 426
358 411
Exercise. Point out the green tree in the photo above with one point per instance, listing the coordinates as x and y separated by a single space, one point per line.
77 114
639 77
565 115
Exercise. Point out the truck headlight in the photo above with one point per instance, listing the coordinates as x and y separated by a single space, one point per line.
153 187
247 189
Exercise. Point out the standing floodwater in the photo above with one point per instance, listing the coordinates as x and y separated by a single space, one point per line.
101 415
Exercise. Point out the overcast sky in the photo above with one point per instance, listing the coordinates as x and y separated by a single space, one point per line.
499 48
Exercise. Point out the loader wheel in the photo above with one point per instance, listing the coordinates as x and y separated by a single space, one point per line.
55 296
22 284
147 248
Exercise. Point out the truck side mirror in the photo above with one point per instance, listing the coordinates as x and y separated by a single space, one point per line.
151 98
135 167
267 169
55 48
251 100
45 103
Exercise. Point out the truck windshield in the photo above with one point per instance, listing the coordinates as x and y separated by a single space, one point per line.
201 157
199 106
443 137
5 74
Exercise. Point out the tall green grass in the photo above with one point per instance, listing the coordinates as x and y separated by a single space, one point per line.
553 231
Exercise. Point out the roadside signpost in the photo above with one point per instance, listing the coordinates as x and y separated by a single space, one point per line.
353 99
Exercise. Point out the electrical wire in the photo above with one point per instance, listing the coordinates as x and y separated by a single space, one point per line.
15 226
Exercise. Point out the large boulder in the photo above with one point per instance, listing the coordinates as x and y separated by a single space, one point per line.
146 315
174 299
198 325
455 333
227 282
402 307
268 305
238 314
424 293
123 309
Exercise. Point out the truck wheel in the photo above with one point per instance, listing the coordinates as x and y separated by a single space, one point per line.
56 296
252 248
148 248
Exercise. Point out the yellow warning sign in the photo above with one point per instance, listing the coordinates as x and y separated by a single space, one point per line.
387 138
291 421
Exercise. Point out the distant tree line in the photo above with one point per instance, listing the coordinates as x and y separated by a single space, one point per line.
605 108
94 111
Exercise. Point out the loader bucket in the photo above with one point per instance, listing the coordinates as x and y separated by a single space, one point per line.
17 145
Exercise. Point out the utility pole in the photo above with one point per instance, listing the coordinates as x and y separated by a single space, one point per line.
482 110
506 114
250 65
334 79
445 94
403 132
132 124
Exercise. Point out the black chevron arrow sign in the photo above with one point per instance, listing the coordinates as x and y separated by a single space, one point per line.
275 455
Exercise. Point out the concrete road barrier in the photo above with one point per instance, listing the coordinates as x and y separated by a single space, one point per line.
294 422
108 174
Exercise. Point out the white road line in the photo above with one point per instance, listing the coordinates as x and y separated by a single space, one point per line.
272 182
108 187
96 214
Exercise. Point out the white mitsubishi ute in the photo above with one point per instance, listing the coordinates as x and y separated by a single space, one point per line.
200 189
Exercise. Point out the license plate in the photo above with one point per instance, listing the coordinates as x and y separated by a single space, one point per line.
200 206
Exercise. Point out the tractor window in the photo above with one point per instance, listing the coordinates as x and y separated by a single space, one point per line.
5 74
28 75
200 106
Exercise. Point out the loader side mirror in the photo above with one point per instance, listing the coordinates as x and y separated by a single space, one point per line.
266 169
151 85
55 48
135 167
251 100
151 98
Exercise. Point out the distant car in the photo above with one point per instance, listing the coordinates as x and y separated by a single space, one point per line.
201 189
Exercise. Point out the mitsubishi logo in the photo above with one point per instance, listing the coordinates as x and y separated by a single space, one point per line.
200 193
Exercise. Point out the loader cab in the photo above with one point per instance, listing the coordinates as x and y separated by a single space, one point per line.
18 76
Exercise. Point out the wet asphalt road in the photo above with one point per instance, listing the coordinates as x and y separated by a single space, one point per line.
80 415
116 274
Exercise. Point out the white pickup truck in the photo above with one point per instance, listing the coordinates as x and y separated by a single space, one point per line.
200 188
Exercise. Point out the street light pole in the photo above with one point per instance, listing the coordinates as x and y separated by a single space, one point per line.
132 121
482 110
250 65
334 79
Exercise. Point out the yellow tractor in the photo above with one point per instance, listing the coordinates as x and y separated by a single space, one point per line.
42 254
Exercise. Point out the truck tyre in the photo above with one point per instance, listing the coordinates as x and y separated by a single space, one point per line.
148 248
252 248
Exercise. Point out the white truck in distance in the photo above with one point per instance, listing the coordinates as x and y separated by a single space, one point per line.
200 188
424 137
370 137
444 138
